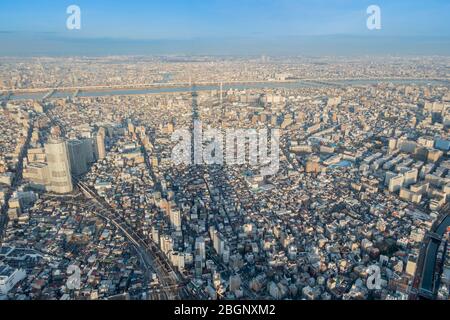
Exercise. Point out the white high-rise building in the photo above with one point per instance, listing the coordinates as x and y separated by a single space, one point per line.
200 248
59 173
218 243
410 177
175 219
395 183
9 277
392 144
100 151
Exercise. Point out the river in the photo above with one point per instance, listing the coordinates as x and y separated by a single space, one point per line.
182 89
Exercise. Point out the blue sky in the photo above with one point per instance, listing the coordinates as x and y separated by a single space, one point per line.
184 20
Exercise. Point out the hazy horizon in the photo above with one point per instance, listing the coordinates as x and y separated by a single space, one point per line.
324 45
219 27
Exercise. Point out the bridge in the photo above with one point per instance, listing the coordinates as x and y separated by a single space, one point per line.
76 93
5 96
49 94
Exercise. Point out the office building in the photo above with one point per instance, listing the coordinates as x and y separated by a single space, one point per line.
88 148
78 157
200 248
59 173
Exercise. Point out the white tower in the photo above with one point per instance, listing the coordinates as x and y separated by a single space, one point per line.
60 178
100 151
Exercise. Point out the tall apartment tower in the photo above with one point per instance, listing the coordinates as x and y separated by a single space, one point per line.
175 219
100 151
78 157
392 144
59 173
88 147
218 243
200 248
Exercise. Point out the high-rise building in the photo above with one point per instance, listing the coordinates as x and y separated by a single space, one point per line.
37 173
88 148
434 155
218 243
166 243
78 157
59 173
407 146
395 183
175 219
389 175
200 248
392 144
198 264
410 177
100 150
155 235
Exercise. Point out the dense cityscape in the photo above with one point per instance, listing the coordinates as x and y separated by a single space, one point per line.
94 205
